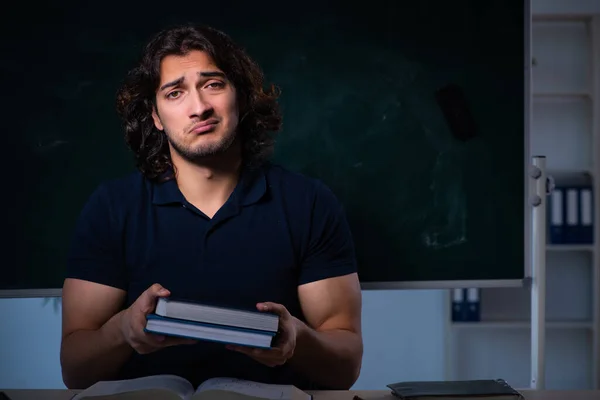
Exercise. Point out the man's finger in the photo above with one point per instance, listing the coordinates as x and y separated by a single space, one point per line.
154 339
146 344
144 349
272 307
156 290
148 298
158 341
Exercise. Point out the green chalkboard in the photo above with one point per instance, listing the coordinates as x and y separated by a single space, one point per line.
359 83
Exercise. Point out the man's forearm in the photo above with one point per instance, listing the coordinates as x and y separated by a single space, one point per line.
88 356
331 358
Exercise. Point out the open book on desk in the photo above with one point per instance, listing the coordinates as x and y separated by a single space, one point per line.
171 387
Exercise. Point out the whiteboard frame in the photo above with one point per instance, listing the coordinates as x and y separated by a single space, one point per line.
487 283
30 293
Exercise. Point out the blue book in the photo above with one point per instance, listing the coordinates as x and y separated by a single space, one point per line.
210 332
217 314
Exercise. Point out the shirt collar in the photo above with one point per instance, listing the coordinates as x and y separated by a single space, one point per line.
251 187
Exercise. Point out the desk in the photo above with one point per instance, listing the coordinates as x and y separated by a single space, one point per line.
31 394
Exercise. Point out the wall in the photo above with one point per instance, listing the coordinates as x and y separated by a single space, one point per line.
29 344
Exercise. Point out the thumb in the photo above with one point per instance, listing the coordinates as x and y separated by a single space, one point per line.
157 290
148 298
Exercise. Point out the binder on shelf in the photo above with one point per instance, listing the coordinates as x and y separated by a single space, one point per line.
555 213
572 215
586 218
473 305
458 305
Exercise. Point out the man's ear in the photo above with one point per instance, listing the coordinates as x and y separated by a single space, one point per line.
157 123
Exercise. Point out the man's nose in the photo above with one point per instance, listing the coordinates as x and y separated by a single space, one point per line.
200 107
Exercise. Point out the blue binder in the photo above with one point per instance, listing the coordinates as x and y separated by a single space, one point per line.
586 215
473 305
459 306
556 216
571 232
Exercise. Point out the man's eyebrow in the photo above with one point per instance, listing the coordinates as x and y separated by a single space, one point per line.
176 82
205 74
211 74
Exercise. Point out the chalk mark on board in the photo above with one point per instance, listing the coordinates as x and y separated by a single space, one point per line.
41 147
449 204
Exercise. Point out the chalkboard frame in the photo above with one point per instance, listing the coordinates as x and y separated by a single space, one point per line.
446 284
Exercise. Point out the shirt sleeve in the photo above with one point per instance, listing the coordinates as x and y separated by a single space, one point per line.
96 254
330 251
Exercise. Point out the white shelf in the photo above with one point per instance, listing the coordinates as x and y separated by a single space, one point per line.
522 325
570 247
506 354
561 130
564 127
561 56
568 292
563 95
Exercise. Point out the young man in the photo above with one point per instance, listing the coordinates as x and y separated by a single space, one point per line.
208 218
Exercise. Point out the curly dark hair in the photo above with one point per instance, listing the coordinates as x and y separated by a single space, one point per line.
259 112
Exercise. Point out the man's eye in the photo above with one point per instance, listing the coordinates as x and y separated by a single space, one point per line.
216 85
173 94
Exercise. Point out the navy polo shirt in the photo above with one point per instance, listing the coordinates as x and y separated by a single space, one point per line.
277 230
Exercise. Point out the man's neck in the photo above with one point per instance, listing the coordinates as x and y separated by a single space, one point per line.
209 184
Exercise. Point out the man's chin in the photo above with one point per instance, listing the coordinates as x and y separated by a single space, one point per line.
206 151
203 147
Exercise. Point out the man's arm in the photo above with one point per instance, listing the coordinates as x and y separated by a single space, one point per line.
92 347
329 347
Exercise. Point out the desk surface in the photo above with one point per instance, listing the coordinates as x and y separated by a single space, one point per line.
30 394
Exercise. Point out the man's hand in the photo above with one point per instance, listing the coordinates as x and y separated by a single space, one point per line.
287 340
133 322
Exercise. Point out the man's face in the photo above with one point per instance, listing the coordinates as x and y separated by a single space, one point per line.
195 106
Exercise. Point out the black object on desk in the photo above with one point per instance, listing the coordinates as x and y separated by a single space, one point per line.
488 388
4 396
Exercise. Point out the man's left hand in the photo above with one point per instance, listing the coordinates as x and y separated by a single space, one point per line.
288 326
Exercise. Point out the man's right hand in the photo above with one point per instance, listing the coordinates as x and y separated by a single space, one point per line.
133 322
